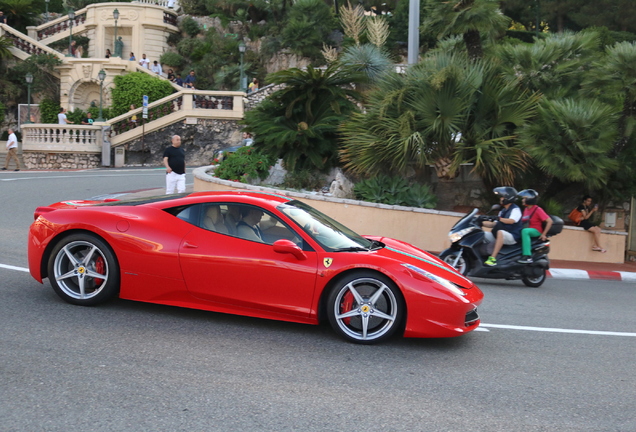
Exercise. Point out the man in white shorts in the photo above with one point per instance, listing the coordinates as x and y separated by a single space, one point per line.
174 161
507 230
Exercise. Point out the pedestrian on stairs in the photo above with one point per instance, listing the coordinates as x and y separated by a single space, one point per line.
3 18
12 150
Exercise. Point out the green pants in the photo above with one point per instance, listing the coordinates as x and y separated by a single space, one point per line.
526 241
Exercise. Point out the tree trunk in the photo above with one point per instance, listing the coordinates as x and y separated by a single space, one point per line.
472 40
445 189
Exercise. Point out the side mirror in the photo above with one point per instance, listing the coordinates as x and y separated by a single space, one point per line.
287 246
495 207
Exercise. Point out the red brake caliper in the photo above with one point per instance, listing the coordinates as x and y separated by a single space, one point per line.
100 267
346 305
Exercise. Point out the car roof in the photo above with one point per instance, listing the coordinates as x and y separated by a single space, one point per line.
167 201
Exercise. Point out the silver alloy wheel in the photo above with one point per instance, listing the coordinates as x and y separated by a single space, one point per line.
458 264
535 282
81 270
365 309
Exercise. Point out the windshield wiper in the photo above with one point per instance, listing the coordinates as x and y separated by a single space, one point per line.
352 249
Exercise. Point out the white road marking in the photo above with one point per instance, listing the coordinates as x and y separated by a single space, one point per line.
558 330
147 173
10 267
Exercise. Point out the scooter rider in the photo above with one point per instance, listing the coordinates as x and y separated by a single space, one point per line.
535 217
507 230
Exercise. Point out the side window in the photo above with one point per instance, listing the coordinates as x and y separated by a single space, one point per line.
257 225
213 218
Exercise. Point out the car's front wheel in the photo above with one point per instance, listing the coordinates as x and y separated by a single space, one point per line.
83 270
365 307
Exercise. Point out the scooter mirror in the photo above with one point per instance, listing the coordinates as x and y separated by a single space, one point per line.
495 207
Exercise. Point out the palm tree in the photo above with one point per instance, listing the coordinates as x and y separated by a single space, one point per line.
299 123
571 140
554 66
446 111
470 18
615 76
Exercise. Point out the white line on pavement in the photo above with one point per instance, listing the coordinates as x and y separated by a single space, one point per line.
147 173
558 330
10 267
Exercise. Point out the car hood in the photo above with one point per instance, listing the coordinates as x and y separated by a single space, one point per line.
406 253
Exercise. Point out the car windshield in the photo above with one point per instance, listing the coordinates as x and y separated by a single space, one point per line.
330 234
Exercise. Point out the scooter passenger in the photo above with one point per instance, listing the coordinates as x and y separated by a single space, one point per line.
507 229
534 216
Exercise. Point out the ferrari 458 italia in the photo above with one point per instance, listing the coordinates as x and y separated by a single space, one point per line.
249 253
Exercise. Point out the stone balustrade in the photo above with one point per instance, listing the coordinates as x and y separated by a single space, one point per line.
61 138
49 146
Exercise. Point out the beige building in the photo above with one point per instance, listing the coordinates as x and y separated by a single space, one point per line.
143 28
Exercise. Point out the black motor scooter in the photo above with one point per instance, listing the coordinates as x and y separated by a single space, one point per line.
470 248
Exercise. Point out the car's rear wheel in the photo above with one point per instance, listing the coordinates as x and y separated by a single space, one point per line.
536 280
83 270
365 307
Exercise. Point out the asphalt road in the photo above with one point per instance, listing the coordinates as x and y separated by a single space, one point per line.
557 358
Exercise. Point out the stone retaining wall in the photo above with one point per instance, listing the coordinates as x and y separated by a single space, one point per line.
37 160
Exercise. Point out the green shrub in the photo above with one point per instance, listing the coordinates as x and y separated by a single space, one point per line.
172 59
395 191
552 207
76 116
247 163
3 110
49 110
190 26
309 24
303 179
130 89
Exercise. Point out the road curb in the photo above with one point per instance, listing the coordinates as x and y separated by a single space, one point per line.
589 274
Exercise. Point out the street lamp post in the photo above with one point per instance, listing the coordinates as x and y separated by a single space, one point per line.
116 16
29 80
242 83
71 17
46 2
102 77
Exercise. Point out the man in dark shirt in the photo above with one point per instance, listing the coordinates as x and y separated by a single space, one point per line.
190 80
174 161
3 18
178 80
88 120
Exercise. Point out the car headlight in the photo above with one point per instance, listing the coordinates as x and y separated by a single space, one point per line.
456 236
437 279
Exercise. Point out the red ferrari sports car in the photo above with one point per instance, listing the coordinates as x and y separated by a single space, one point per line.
248 253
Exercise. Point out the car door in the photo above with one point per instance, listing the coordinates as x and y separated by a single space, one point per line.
243 275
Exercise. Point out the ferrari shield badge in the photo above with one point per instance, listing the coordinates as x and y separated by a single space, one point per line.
327 262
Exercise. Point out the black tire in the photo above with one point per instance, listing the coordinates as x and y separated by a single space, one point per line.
83 270
365 307
535 282
449 257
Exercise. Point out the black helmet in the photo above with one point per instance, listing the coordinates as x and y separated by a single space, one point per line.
509 194
530 195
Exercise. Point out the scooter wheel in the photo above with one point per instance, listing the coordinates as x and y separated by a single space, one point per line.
461 265
535 281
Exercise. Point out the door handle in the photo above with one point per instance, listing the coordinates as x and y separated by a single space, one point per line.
189 245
